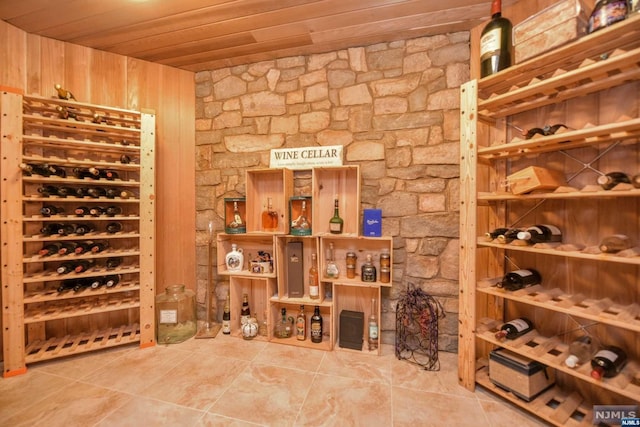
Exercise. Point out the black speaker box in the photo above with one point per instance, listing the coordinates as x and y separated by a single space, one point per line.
351 329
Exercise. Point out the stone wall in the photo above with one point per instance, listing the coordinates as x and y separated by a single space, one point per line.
395 109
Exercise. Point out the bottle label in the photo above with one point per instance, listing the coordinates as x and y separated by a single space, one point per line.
169 316
226 327
334 226
373 331
522 273
314 291
316 330
300 321
607 354
490 43
244 318
519 324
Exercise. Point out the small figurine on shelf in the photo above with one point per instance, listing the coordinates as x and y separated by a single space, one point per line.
63 93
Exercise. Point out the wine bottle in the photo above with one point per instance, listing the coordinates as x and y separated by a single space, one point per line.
605 13
83 228
316 326
83 265
541 233
114 227
509 236
96 211
368 270
495 42
63 93
97 247
66 191
66 229
301 223
67 248
125 159
29 169
514 328
112 280
314 282
48 210
96 282
124 194
96 192
331 268
113 210
336 223
81 284
82 173
50 229
608 362
113 262
49 249
83 247
519 279
373 327
48 190
490 235
269 217
615 243
580 351
68 284
66 267
57 170
301 325
81 210
611 179
226 318
109 174
245 312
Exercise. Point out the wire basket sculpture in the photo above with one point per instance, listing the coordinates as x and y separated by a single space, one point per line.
417 317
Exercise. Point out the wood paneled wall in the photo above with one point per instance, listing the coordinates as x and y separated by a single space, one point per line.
34 64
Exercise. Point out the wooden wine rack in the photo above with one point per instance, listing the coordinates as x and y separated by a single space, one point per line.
40 323
583 82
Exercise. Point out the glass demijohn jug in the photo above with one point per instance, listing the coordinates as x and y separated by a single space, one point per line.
176 314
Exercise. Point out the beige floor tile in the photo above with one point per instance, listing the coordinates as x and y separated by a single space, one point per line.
197 381
502 414
75 404
265 394
338 401
20 392
228 346
213 420
359 366
148 412
425 409
134 371
288 356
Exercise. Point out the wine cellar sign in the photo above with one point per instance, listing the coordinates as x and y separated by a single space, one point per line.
306 157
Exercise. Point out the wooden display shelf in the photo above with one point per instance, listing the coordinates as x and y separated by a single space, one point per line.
69 345
118 116
568 139
81 144
625 35
88 236
250 244
310 246
43 295
76 218
107 253
264 184
555 299
552 249
66 309
76 181
356 298
73 162
292 310
329 182
554 406
323 302
258 290
564 193
49 276
56 199
552 352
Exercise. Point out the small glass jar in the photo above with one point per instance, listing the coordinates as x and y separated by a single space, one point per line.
385 274
351 259
385 259
176 314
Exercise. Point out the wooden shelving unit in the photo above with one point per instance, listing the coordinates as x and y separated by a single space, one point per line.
582 85
269 292
39 321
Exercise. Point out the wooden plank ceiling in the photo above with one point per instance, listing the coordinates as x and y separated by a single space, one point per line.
201 35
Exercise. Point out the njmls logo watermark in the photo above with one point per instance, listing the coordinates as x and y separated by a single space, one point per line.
615 414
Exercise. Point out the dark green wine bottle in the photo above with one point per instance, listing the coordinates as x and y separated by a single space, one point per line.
495 42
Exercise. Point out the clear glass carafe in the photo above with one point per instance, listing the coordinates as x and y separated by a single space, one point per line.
176 315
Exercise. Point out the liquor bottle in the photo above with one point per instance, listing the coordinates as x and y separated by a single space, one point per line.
495 42
580 351
236 220
301 325
605 13
331 270
226 318
373 327
96 192
112 280
96 211
301 223
50 249
114 227
50 229
63 93
336 223
368 270
109 174
269 217
66 191
113 262
245 312
611 179
97 247
490 235
48 210
608 362
314 282
514 328
67 248
615 243
519 279
283 328
316 326
83 265
541 233
263 328
82 173
234 260
66 267
48 190
509 236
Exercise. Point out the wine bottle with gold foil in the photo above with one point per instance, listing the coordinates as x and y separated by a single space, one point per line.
495 42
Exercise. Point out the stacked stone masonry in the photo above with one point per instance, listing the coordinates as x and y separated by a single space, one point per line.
395 109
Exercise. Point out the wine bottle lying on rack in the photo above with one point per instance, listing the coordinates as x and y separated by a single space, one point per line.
608 362
509 236
50 229
490 235
615 243
541 233
67 248
49 210
113 262
73 228
50 249
82 173
519 279
114 227
514 328
109 174
611 179
65 191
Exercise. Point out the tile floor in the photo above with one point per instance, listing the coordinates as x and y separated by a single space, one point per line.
227 381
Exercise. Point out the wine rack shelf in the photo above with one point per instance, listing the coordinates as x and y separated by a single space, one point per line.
53 348
582 85
40 323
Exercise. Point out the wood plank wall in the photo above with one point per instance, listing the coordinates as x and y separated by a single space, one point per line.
34 64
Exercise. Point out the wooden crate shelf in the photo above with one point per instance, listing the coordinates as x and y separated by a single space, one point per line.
38 351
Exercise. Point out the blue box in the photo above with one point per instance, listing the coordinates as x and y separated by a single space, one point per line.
372 223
